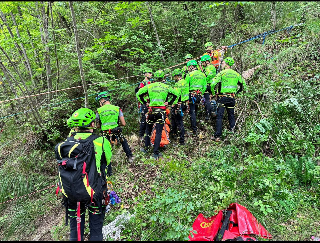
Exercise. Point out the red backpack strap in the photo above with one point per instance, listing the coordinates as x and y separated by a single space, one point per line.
78 221
57 190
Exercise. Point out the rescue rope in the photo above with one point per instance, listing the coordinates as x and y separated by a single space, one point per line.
264 35
29 194
80 86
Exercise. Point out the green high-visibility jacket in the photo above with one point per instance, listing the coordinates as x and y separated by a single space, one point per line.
182 88
229 80
158 94
210 71
108 115
145 83
101 145
197 81
184 71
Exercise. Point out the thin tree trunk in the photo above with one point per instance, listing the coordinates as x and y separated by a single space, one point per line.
55 47
23 50
4 20
16 70
12 88
31 42
8 75
8 91
273 14
79 55
155 31
224 25
45 41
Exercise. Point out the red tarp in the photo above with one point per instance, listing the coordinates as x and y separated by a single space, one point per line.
241 223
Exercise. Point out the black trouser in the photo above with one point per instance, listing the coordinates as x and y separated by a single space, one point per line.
207 104
96 217
228 103
193 105
116 133
143 123
156 116
177 121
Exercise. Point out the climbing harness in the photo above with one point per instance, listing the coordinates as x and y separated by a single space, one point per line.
195 96
230 95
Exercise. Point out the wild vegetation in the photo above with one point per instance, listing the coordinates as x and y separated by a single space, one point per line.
270 165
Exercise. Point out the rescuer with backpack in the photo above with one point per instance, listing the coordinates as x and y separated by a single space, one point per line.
227 81
83 159
179 105
158 93
197 86
108 117
142 108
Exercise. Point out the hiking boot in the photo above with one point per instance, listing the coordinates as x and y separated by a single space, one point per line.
217 139
131 159
143 150
157 156
182 143
173 136
195 134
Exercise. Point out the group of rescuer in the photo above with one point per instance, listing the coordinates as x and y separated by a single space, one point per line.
193 84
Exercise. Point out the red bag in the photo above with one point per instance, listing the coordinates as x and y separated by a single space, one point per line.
237 224
206 228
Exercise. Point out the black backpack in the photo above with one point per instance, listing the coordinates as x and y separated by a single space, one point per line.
79 180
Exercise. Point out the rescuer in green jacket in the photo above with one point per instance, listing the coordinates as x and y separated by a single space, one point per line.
179 106
159 94
108 117
197 86
82 123
210 71
227 81
142 108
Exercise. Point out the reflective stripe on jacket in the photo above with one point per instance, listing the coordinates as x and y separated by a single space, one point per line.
108 115
197 81
229 80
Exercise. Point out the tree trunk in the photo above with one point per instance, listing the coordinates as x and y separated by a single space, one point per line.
31 42
8 75
45 41
224 24
8 91
23 51
155 31
79 55
23 83
273 14
55 47
4 20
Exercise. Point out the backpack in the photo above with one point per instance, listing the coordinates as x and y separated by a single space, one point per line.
79 180
164 134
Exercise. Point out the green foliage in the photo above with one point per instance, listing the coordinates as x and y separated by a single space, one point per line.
167 212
